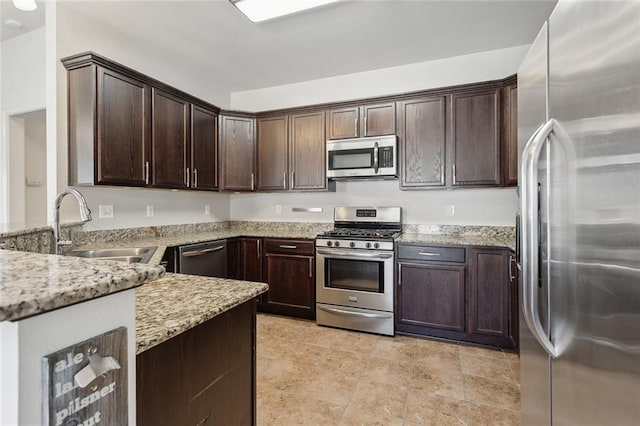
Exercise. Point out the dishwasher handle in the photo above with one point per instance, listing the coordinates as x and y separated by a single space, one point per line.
201 252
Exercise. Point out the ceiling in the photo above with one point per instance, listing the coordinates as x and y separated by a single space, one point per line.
340 38
29 21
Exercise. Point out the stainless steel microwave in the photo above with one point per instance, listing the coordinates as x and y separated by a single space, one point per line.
363 158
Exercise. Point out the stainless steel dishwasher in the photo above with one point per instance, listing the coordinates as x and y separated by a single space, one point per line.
208 259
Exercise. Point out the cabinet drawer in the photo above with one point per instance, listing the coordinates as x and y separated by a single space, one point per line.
289 247
432 253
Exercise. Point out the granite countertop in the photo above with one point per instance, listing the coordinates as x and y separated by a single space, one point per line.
461 239
32 283
174 304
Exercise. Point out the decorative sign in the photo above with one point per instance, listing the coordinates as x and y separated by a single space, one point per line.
86 384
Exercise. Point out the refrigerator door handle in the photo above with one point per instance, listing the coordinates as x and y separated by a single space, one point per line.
530 234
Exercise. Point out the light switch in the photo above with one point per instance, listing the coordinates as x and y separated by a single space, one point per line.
207 210
149 211
451 210
105 211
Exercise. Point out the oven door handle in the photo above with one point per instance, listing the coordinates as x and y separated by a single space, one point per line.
357 314
346 254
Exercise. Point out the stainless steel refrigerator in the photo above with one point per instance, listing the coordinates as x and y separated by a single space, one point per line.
579 147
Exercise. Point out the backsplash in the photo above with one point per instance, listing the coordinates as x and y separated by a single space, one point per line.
486 231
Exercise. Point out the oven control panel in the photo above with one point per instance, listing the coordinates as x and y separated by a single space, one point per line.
354 244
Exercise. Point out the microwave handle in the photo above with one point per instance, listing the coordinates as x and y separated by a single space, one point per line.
375 158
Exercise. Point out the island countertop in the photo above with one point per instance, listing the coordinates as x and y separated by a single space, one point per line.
32 283
178 302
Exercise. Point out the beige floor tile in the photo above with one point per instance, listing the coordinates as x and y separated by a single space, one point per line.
497 393
400 350
425 408
436 346
436 381
386 401
491 368
381 370
281 408
515 369
354 417
438 360
484 415
483 352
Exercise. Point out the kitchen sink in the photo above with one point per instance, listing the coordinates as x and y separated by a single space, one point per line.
121 254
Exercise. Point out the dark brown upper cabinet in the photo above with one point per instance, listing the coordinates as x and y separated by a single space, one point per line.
126 128
476 138
272 148
204 148
342 123
307 156
237 145
170 141
109 135
422 128
510 135
377 120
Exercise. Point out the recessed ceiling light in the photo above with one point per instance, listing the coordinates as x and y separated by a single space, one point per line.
12 23
26 5
262 10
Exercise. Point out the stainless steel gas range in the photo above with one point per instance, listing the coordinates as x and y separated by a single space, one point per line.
354 269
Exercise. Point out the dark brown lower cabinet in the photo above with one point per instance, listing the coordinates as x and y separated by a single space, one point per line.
204 376
290 273
467 294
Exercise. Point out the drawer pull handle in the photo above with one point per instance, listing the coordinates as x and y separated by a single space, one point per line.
428 254
288 247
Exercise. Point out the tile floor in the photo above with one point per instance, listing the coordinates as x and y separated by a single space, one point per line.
311 375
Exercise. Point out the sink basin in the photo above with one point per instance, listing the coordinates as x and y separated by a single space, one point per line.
122 254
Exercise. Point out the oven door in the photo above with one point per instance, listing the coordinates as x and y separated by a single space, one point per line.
355 278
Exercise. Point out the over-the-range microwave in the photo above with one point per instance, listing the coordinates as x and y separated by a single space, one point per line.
362 158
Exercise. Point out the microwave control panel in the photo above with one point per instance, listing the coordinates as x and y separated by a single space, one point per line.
385 156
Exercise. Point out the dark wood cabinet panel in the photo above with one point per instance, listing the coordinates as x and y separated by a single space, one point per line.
205 375
510 135
251 259
489 296
234 266
307 156
123 138
238 154
514 303
290 272
342 123
272 150
204 148
422 129
431 296
170 141
476 139
379 119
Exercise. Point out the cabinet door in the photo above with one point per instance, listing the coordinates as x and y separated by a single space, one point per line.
379 119
124 137
204 148
170 141
422 142
251 259
476 140
291 285
307 156
272 153
234 265
489 301
238 154
510 135
514 302
342 123
431 299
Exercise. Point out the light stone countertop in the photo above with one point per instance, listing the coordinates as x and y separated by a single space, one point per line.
32 283
178 302
459 239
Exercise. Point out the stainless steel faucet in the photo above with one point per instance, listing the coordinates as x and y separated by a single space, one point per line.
85 216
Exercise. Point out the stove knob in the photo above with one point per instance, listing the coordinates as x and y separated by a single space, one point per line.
329 243
352 244
337 244
376 245
368 245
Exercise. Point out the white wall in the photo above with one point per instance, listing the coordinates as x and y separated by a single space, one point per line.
491 65
76 34
487 206
16 169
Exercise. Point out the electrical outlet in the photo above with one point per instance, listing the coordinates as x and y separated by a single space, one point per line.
451 210
278 209
149 211
207 210
105 211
